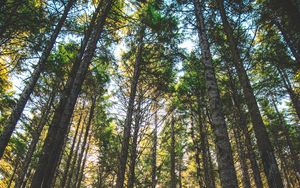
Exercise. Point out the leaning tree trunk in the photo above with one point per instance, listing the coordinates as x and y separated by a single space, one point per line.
224 153
289 88
70 156
293 151
83 163
35 138
197 153
209 182
241 121
128 121
85 139
24 97
131 177
264 144
154 148
60 122
172 154
74 160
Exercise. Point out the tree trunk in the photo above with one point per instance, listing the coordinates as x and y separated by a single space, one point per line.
224 154
60 122
85 139
66 171
242 158
264 144
209 181
74 160
289 88
172 154
289 41
293 152
197 153
24 97
42 122
154 148
128 121
83 163
241 121
17 162
131 177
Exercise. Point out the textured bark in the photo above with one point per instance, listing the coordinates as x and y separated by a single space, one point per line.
242 158
24 97
70 156
85 139
264 144
172 154
197 153
289 41
154 149
42 122
74 159
60 122
208 176
128 121
293 152
289 88
133 157
224 154
242 123
83 163
11 179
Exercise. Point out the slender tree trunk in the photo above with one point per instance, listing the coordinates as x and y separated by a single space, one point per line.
67 167
289 41
83 163
242 159
288 86
85 139
264 144
24 97
131 177
42 122
197 153
154 148
209 181
172 154
293 152
241 121
60 122
128 120
17 162
224 154
74 159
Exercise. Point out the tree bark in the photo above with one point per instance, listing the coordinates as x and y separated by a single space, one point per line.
154 148
24 97
85 139
66 171
264 144
173 154
74 160
241 121
289 88
128 121
83 163
131 177
42 122
224 154
208 176
197 153
60 122
293 152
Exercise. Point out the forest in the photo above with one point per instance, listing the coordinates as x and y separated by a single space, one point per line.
149 93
